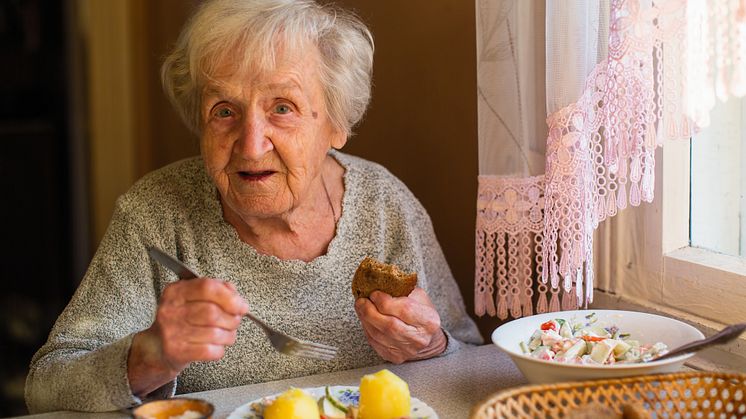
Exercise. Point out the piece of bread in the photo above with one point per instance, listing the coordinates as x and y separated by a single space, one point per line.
373 275
634 411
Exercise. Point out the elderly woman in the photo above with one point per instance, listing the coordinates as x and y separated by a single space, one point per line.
271 214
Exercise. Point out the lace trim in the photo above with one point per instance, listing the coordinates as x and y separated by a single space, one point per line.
509 243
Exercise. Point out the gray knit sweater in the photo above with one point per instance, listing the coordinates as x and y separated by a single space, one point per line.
83 364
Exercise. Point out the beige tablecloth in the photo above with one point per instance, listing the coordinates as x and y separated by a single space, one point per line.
451 385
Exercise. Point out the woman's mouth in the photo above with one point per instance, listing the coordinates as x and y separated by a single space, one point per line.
256 176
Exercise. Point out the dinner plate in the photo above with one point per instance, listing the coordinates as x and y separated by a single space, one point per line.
348 395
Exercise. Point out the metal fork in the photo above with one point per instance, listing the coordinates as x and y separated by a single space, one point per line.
724 336
281 342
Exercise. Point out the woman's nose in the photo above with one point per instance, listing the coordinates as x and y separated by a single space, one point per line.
254 140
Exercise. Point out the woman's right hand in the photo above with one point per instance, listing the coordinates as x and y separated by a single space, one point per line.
196 319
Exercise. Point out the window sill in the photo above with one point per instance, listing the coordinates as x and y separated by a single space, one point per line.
705 284
706 259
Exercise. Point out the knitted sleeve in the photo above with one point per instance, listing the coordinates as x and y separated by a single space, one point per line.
83 365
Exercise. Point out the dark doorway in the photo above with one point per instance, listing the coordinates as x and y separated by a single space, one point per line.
35 214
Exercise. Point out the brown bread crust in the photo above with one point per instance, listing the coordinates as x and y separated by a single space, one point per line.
373 275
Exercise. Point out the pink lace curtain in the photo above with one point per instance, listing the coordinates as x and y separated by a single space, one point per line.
574 97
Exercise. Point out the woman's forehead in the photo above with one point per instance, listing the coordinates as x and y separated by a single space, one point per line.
289 70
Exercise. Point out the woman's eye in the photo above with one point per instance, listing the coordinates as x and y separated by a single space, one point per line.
224 113
282 108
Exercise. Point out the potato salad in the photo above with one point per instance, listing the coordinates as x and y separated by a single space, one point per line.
586 342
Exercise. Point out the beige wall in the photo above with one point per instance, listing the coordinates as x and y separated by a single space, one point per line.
422 122
131 127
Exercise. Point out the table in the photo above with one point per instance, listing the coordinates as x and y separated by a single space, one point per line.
451 385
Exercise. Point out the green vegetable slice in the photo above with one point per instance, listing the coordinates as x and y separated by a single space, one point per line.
336 403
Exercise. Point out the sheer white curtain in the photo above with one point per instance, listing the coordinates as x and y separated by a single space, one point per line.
512 140
511 92
574 97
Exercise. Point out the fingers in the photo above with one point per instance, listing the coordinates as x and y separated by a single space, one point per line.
185 353
381 324
393 339
203 336
222 293
389 353
183 344
403 328
211 315
386 350
197 319
419 295
416 309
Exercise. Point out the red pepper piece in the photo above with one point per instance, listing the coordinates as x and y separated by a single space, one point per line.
550 325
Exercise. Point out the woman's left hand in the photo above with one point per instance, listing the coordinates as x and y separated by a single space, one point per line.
401 328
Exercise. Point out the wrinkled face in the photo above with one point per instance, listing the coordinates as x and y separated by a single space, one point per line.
265 136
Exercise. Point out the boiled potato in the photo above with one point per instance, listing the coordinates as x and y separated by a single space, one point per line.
292 404
383 395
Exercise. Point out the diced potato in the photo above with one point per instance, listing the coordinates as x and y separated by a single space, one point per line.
383 395
550 338
621 348
292 404
602 350
599 331
633 354
543 352
574 351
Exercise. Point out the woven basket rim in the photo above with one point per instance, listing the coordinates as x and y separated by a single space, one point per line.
592 384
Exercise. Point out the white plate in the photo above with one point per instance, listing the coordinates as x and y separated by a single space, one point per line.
348 395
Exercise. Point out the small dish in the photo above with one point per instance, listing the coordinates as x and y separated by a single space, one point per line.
176 408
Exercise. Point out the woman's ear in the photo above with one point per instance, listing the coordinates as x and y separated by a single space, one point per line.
339 139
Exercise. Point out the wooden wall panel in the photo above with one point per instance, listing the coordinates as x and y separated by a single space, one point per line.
111 100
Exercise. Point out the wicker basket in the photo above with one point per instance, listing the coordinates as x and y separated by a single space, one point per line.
680 395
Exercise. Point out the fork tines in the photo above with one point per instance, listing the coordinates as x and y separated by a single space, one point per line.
311 350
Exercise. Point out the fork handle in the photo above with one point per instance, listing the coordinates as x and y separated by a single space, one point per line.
726 335
261 324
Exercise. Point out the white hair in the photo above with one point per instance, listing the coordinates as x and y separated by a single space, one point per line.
248 32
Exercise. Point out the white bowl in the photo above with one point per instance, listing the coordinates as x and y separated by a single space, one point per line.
644 327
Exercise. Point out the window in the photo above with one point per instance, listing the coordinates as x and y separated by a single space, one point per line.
681 254
718 181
